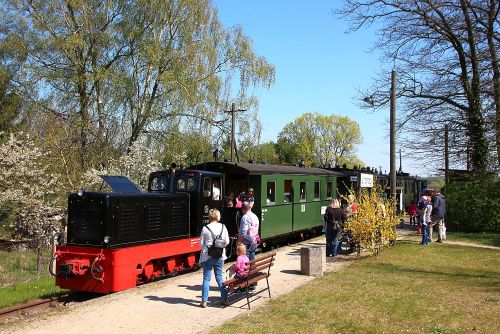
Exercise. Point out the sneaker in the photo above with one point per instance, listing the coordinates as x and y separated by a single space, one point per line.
440 241
251 288
203 304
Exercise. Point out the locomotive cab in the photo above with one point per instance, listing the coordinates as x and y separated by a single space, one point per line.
204 190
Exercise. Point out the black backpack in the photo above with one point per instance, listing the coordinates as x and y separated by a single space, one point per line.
217 247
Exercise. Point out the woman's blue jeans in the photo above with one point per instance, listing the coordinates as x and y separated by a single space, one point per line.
217 265
332 242
425 235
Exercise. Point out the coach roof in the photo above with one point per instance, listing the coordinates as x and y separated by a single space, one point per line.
260 169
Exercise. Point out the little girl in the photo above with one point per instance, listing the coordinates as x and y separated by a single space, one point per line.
241 261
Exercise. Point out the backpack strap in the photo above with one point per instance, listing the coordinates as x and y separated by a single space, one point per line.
213 235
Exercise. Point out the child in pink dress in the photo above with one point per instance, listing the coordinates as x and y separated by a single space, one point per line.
241 261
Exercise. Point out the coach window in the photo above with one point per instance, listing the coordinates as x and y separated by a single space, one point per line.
316 191
271 192
329 188
287 189
302 191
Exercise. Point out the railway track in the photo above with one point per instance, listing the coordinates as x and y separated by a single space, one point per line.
41 306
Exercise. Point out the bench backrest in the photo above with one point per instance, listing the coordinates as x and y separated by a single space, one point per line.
260 264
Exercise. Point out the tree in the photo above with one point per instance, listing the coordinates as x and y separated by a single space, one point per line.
319 140
71 47
9 104
137 164
118 70
27 185
445 54
184 65
259 153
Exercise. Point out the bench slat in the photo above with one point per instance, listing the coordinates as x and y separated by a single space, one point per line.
260 268
259 263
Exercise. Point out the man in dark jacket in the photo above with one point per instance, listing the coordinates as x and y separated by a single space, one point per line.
438 214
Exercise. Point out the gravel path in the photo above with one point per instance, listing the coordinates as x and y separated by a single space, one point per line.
410 233
172 305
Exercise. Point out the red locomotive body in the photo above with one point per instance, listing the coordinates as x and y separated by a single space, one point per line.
110 270
120 239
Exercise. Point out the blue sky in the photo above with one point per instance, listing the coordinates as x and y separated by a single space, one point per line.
318 67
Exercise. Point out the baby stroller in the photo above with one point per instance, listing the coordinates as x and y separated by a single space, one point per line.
347 246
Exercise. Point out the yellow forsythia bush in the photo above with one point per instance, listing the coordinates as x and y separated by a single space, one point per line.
374 224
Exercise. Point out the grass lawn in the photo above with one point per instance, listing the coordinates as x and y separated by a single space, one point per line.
21 293
410 288
20 267
19 280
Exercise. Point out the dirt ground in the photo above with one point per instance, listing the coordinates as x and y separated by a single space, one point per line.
172 305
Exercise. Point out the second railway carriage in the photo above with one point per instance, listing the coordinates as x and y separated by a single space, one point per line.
408 187
289 200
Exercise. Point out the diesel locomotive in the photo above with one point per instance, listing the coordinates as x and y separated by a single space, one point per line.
120 239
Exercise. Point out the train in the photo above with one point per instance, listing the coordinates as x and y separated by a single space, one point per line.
120 239
123 238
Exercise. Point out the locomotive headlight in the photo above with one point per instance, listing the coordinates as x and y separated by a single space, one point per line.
57 238
107 239
80 192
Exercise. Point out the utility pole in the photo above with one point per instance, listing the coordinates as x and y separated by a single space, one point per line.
400 162
446 157
233 122
392 143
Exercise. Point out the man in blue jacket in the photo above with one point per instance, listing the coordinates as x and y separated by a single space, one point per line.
438 214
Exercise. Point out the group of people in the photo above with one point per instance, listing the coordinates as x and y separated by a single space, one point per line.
233 201
248 240
427 213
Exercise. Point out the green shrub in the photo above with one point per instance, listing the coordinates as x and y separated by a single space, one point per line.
474 205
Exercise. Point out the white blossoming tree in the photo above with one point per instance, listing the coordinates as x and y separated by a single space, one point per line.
136 165
28 188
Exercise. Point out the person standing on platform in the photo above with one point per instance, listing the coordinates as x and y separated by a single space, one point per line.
207 262
335 220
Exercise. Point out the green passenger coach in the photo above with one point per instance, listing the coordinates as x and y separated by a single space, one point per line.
288 199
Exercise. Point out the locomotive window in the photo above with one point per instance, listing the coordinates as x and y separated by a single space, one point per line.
158 184
316 190
302 191
207 187
271 192
154 184
186 183
191 183
329 190
181 184
288 191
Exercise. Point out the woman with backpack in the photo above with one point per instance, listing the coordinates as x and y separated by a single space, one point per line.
335 220
213 240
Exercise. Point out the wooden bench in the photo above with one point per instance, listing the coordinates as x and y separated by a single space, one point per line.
255 271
